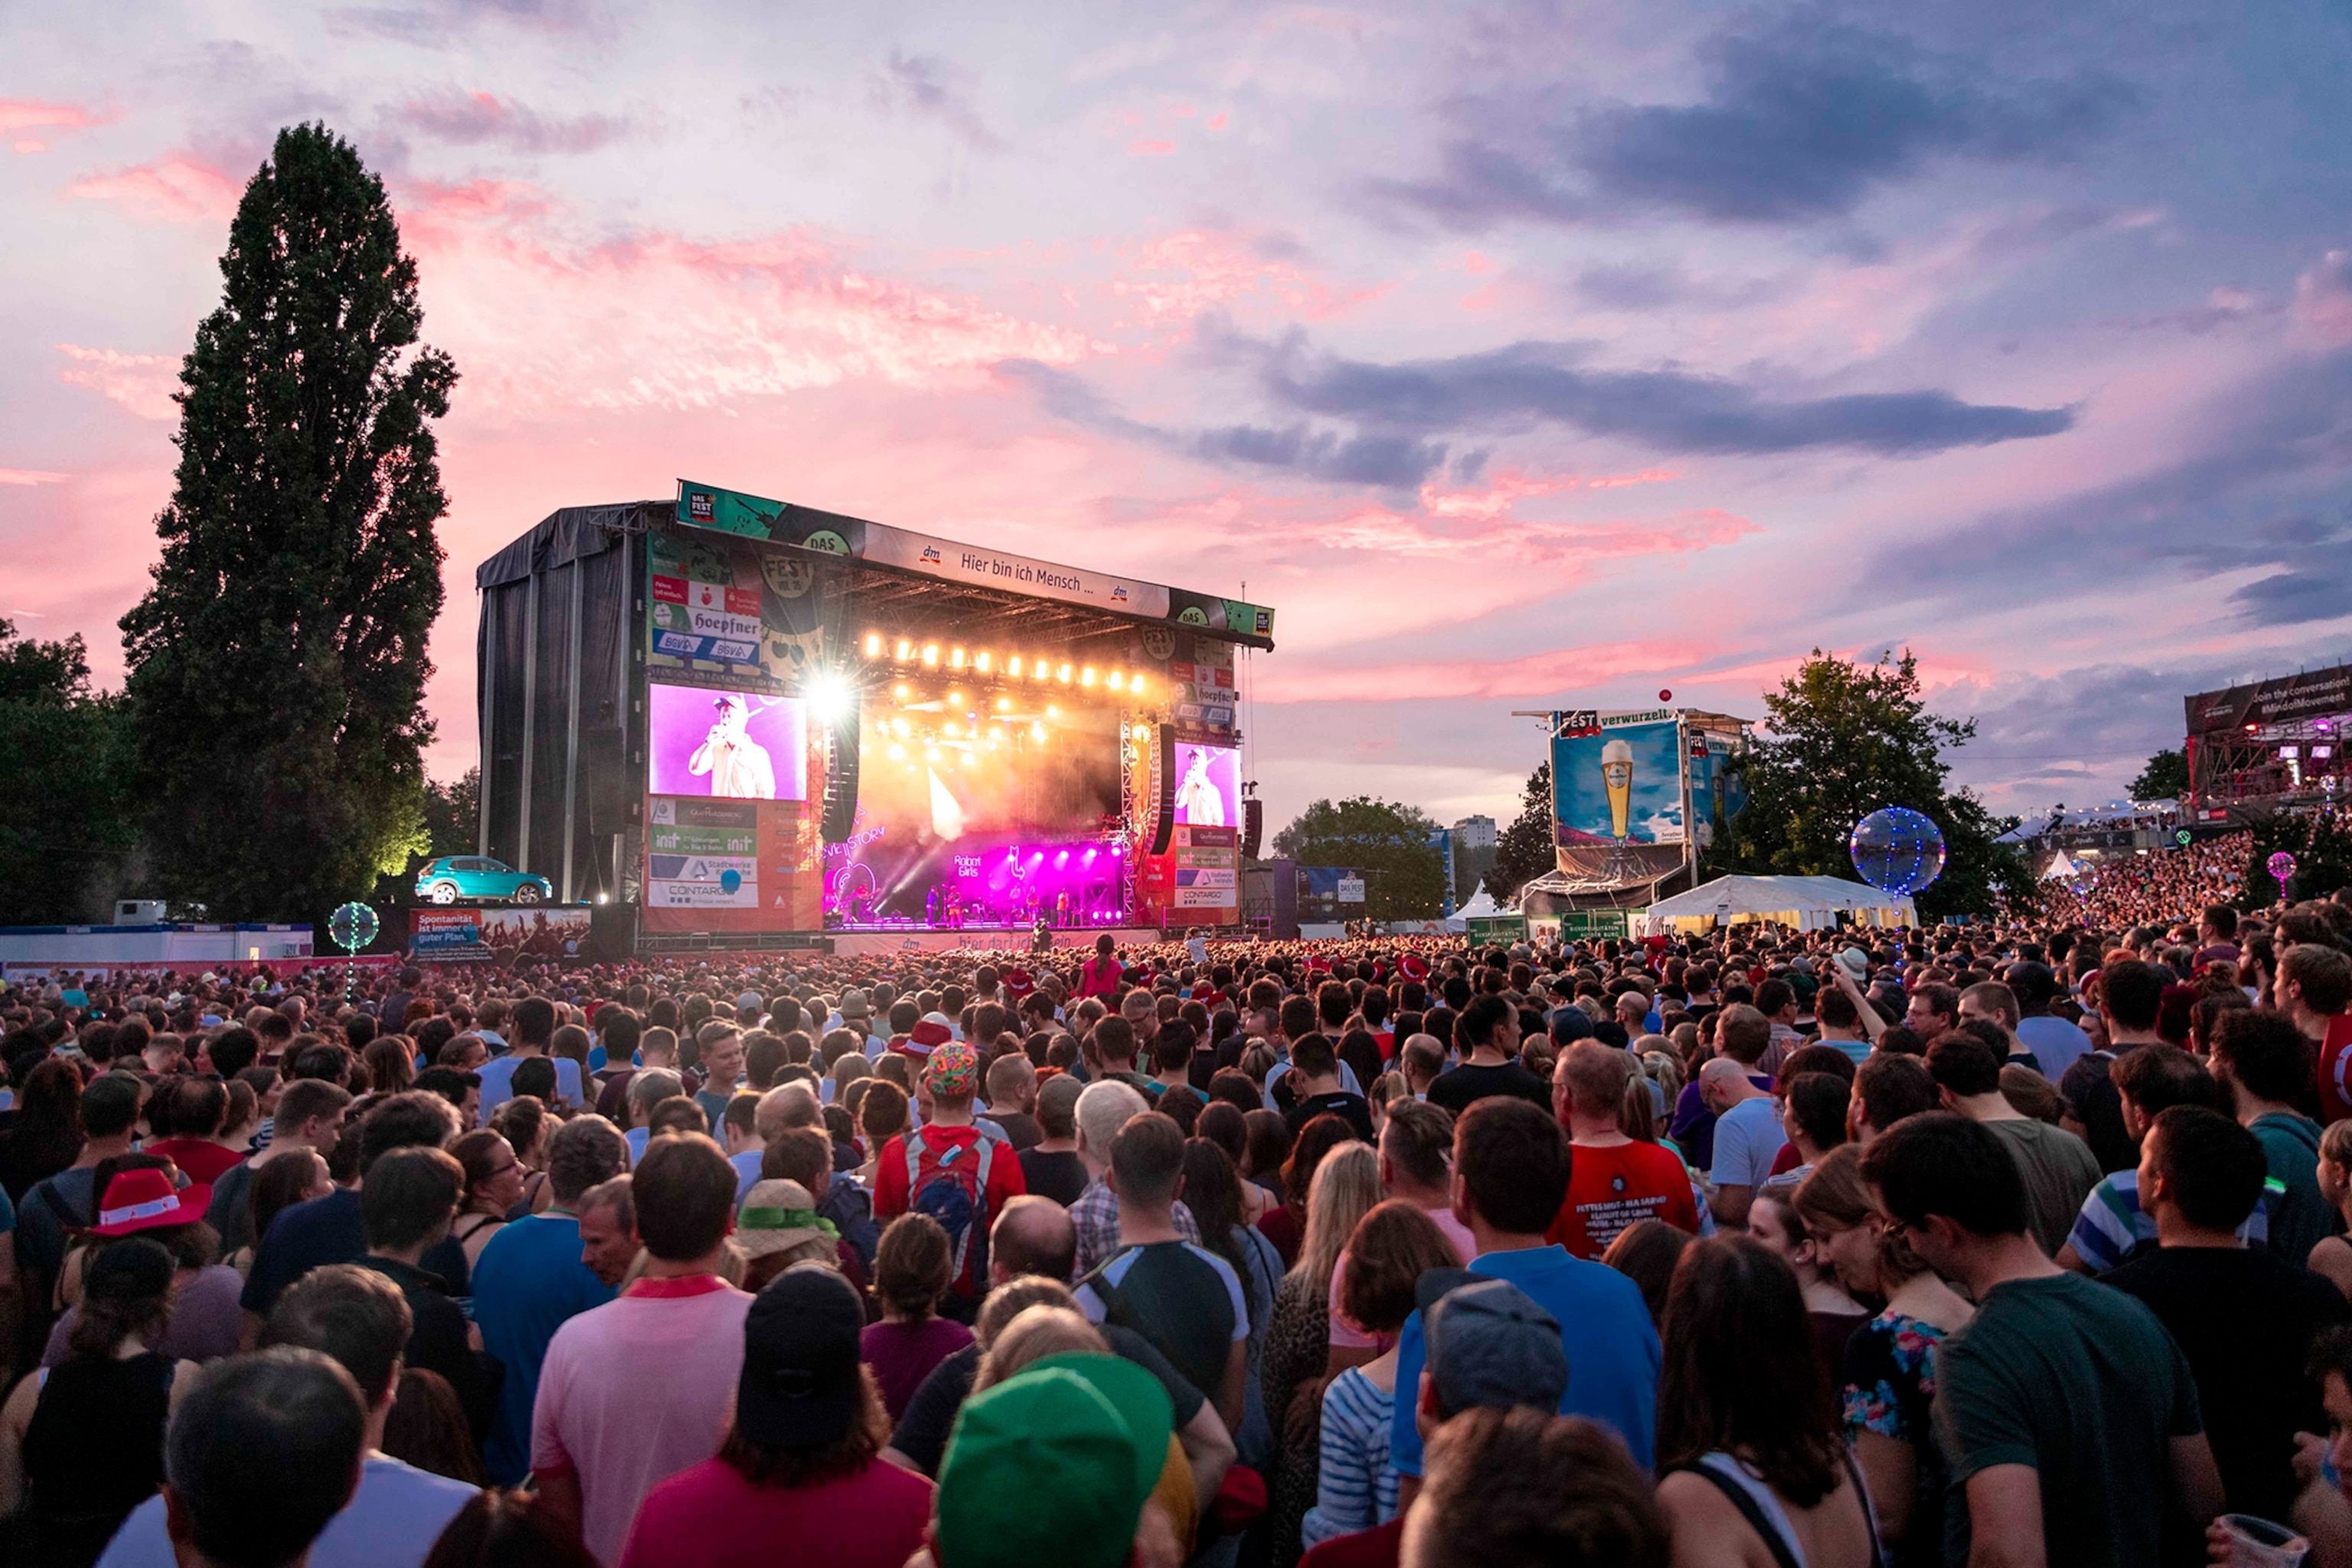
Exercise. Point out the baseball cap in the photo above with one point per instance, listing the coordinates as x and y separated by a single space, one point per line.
1489 1344
1569 1023
1052 1432
801 1385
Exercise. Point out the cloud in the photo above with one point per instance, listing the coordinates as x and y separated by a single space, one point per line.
177 187
2293 598
2323 299
28 114
1798 122
144 383
934 89
482 118
441 21
1184 274
28 477
1667 410
1531 676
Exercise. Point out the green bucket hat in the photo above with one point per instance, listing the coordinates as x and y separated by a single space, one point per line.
1086 1433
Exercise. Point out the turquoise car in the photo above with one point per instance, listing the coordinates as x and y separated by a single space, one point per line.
455 876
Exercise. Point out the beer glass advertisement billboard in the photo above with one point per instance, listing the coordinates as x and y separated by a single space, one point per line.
1617 802
730 745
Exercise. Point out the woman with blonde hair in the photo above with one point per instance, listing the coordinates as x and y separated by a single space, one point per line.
1345 1188
1888 1381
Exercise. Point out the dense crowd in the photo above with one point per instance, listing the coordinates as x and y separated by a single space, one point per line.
2117 891
1992 1244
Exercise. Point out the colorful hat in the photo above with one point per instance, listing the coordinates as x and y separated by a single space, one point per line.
954 1072
145 1200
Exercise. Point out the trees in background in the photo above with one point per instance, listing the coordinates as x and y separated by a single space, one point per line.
1404 872
1524 849
2166 777
277 664
68 826
1841 739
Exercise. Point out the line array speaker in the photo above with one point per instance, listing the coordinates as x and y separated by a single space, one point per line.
1163 805
841 774
1253 826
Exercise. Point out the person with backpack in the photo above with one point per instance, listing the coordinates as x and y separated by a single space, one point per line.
959 1172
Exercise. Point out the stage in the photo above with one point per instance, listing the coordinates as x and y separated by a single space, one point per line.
918 939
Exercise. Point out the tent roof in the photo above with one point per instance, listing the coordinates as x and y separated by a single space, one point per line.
1482 906
1770 895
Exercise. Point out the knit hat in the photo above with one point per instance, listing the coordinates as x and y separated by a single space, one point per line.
1075 1431
954 1072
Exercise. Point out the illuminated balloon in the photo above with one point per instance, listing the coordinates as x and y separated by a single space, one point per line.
1897 850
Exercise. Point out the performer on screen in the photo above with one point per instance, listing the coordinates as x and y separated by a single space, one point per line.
1198 802
737 765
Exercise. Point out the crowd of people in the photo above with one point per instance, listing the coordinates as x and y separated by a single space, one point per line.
2019 1244
2118 891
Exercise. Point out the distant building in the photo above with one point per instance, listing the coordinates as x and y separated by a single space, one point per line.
1475 833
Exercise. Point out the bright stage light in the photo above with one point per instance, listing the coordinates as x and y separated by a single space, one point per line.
897 752
1012 665
1143 732
604 898
1088 859
955 698
906 650
1051 712
1135 683
932 654
981 661
1036 731
1086 676
830 697
1004 705
874 645
1063 675
1062 860
902 691
955 659
930 754
1043 669
900 727
951 727
1117 681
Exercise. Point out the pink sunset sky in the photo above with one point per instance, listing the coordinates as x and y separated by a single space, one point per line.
1522 357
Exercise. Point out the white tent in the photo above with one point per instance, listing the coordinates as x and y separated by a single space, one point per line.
1808 903
2060 865
1481 906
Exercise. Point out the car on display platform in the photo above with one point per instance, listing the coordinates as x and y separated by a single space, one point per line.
477 877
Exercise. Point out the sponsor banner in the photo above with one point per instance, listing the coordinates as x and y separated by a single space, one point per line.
441 935
670 895
670 811
702 868
1223 876
2310 694
1617 798
702 840
707 507
1351 891
1203 899
725 610
1200 836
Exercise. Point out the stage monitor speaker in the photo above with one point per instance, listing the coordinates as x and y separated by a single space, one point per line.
841 776
604 767
1164 807
1252 826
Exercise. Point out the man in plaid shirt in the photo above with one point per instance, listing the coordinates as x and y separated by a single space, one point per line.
1102 1110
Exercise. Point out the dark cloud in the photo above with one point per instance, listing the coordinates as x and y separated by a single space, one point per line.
1671 411
2262 488
1798 122
482 118
934 88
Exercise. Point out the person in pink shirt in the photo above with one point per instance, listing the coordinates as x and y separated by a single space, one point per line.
639 1389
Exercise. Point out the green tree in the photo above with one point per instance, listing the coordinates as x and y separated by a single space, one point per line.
1404 873
2322 847
1842 739
67 830
2166 777
453 816
278 665
1525 850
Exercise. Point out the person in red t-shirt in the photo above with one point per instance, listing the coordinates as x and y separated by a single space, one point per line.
979 1160
1613 1180
2314 987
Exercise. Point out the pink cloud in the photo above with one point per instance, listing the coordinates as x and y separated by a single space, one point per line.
28 477
1533 675
31 144
1506 490
26 114
1150 147
144 383
1217 121
178 188
1179 275
2323 298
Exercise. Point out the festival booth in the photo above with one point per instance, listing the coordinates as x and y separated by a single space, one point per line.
1807 903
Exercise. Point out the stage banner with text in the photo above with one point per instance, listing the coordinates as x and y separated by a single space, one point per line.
730 866
724 611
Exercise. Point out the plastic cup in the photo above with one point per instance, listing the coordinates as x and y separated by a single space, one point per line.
2261 1543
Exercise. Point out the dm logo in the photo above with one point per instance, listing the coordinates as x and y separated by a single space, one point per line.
930 555
1119 593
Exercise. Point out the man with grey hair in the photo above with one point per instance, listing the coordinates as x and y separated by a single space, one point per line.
1103 1110
647 1089
532 1279
608 1229
786 1106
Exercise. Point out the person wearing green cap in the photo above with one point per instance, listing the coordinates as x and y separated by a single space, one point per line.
1088 1431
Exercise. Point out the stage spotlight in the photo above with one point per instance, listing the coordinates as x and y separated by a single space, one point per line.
1062 860
1117 681
1051 712
1086 675
1036 731
902 691
604 898
1004 705
930 754
981 661
906 650
1088 859
951 727
1135 683
1012 665
897 752
830 697
932 656
900 727
955 698
1143 732
1044 671
874 645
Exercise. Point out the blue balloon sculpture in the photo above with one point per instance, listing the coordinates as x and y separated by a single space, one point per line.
1897 850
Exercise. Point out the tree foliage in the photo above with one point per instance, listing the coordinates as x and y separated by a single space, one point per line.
1524 850
68 830
1842 739
1404 872
277 664
2166 777
2321 843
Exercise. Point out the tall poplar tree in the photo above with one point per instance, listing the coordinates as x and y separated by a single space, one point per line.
278 665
